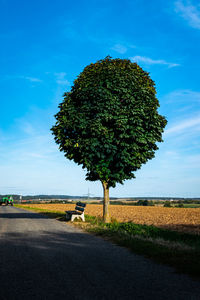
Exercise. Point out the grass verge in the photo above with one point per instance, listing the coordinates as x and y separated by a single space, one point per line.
48 213
179 250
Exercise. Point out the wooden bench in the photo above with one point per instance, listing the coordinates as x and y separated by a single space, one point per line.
77 213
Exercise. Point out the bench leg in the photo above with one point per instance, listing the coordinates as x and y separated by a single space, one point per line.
68 216
73 217
82 217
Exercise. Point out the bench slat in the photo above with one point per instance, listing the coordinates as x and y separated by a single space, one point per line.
80 208
81 204
73 212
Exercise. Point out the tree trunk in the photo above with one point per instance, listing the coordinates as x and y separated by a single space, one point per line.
106 201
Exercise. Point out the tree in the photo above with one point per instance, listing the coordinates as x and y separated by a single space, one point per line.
142 203
145 203
167 204
109 122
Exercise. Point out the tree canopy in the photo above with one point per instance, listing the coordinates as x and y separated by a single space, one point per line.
109 121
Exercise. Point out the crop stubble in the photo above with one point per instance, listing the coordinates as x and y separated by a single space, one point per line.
179 219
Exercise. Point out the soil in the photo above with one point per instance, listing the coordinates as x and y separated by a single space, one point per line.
179 219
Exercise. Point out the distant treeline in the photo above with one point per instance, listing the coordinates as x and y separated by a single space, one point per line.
68 197
48 197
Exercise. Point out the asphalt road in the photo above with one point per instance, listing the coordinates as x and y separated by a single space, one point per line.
41 258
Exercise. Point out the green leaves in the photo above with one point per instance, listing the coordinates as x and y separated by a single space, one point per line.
109 121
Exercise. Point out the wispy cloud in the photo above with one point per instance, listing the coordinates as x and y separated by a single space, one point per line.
194 160
189 12
183 96
60 78
119 48
182 126
26 127
185 104
150 61
34 165
24 77
31 79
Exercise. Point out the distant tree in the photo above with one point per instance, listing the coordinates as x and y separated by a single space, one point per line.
109 122
139 203
167 204
145 203
150 203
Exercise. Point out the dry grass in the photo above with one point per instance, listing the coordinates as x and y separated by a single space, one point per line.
179 219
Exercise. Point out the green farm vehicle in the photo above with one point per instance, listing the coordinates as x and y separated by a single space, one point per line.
7 200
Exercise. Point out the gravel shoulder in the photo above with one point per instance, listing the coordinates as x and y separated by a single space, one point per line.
41 258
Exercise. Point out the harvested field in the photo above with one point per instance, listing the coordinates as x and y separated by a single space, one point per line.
179 219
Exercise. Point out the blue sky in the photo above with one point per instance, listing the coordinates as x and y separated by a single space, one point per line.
46 44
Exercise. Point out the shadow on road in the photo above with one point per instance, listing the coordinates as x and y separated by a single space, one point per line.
66 265
74 265
49 260
21 216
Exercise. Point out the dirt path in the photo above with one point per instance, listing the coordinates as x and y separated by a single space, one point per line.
42 258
